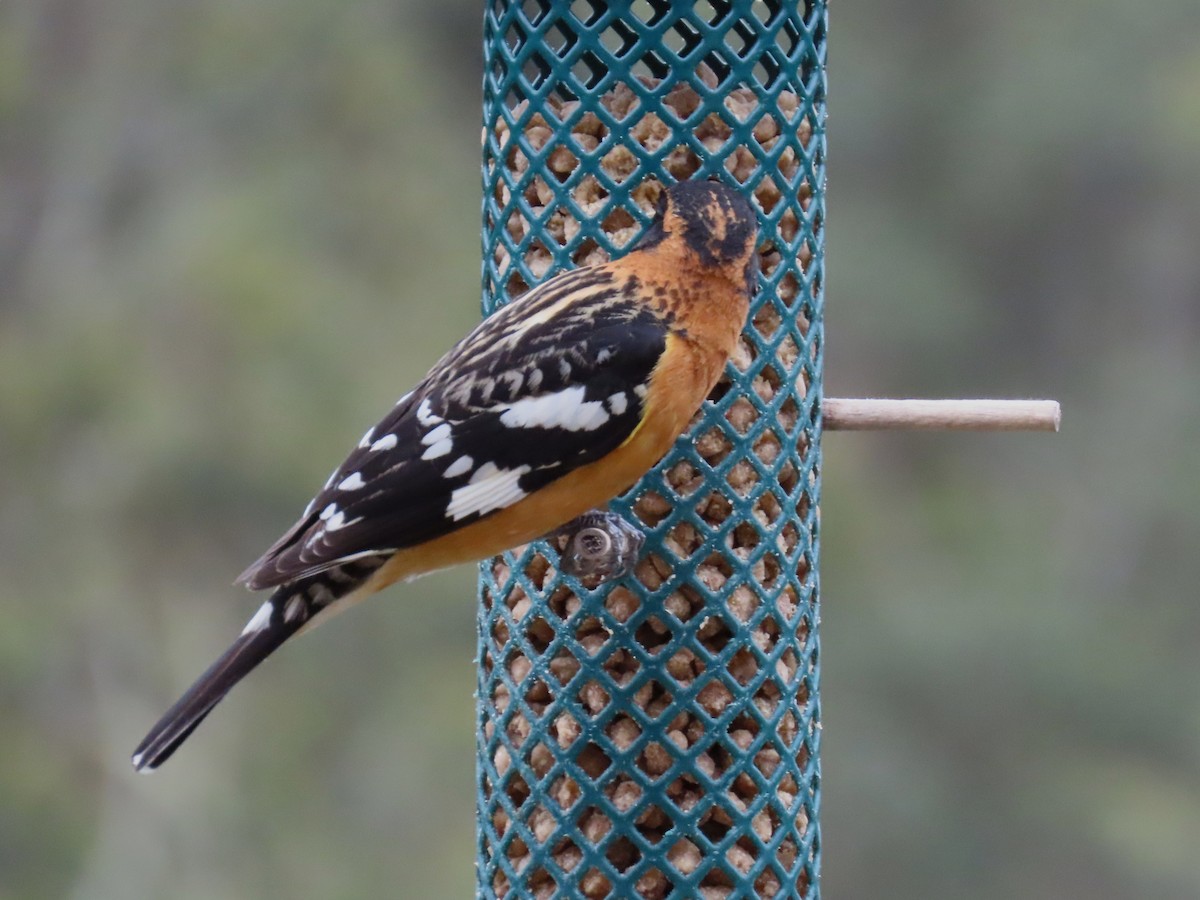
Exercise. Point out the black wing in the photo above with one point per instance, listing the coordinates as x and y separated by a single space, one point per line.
547 384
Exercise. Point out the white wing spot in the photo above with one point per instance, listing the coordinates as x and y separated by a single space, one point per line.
387 442
640 390
489 488
426 415
562 409
294 609
594 416
604 355
535 379
366 438
328 511
320 595
460 466
261 619
441 448
352 482
338 522
405 397
441 433
618 403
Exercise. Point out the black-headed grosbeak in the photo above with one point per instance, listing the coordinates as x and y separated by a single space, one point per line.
550 407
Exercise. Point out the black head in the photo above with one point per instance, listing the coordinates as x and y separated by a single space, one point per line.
712 220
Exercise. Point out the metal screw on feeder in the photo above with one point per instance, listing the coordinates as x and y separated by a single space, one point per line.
600 545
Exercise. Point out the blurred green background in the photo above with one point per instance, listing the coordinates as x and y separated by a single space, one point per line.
231 233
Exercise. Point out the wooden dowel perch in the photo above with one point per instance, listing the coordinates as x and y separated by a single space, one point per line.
841 414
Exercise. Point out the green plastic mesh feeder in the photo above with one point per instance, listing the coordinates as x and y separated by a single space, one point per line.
656 736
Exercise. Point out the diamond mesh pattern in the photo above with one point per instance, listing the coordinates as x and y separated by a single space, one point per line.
657 737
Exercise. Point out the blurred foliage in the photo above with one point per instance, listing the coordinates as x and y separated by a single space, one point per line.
232 233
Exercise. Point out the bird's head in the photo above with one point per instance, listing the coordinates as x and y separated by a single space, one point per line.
709 220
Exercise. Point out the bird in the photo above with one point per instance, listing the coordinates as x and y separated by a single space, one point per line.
549 408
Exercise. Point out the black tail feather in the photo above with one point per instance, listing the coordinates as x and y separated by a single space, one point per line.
287 612
251 648
178 722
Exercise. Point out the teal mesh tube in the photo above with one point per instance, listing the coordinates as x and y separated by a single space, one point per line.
657 736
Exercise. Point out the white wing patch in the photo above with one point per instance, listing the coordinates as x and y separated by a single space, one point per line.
352 482
562 409
425 414
261 619
437 434
490 488
338 521
618 403
439 441
387 442
367 438
293 609
460 466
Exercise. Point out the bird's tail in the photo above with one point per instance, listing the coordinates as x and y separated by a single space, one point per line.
288 611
